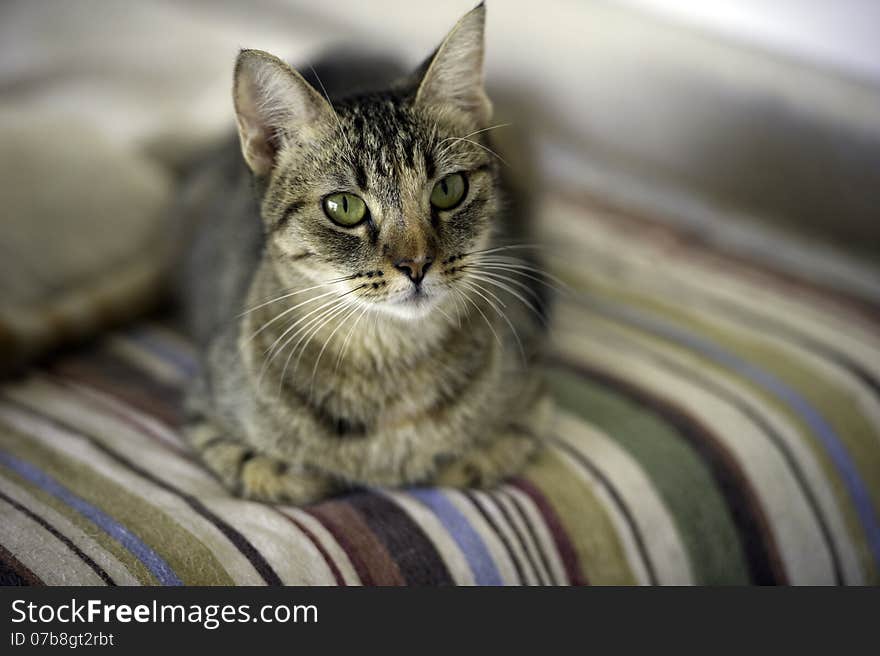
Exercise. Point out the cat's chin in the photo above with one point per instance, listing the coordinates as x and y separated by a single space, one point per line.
413 307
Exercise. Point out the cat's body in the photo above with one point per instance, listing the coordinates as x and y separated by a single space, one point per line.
340 353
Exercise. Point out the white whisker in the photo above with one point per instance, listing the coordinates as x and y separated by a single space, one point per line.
500 282
293 293
479 145
333 109
307 337
303 330
476 288
470 134
482 314
523 269
348 337
287 311
466 137
510 247
272 352
445 315
327 342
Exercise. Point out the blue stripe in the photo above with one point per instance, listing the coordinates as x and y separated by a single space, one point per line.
151 560
467 539
818 425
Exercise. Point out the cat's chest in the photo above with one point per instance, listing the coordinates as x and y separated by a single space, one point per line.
363 395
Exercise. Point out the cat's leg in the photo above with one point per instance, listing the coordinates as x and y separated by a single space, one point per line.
253 475
489 463
486 465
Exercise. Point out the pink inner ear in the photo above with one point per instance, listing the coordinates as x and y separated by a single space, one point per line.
258 149
454 78
271 101
259 139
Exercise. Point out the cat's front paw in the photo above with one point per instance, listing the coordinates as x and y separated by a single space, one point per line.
463 473
253 475
488 465
270 480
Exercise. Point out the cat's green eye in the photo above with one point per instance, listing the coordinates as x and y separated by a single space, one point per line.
449 191
345 209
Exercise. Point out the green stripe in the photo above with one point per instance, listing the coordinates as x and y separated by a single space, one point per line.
827 474
838 407
190 559
123 555
587 524
679 475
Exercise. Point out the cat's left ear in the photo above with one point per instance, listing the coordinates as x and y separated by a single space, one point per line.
274 104
454 75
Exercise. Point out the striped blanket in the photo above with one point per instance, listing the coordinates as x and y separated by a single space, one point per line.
718 423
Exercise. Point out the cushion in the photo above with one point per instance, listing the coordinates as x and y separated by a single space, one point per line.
718 423
83 241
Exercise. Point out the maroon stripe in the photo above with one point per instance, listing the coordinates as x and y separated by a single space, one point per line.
61 537
368 556
14 572
130 420
412 550
117 378
337 575
563 544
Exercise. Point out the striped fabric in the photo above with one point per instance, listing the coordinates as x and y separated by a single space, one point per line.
719 423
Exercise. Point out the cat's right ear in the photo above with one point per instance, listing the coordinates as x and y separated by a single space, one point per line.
273 104
452 78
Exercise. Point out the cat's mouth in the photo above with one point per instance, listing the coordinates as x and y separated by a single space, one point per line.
417 297
414 303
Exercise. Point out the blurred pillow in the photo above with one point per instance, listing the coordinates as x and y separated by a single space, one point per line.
82 221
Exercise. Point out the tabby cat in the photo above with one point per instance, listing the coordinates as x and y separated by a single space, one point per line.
368 311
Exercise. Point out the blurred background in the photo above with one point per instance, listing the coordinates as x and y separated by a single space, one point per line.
713 115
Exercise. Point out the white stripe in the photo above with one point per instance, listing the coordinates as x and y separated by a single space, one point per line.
140 357
502 499
108 404
108 562
547 543
289 552
790 520
500 557
336 553
65 406
620 259
778 249
661 538
488 503
620 526
41 552
172 506
797 444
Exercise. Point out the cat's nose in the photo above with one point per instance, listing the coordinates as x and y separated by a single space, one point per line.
415 268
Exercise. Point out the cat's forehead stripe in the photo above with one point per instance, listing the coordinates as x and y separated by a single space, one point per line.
384 136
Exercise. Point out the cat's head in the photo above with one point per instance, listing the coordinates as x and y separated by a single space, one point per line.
383 192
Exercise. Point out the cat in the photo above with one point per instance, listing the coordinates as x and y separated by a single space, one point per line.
367 311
